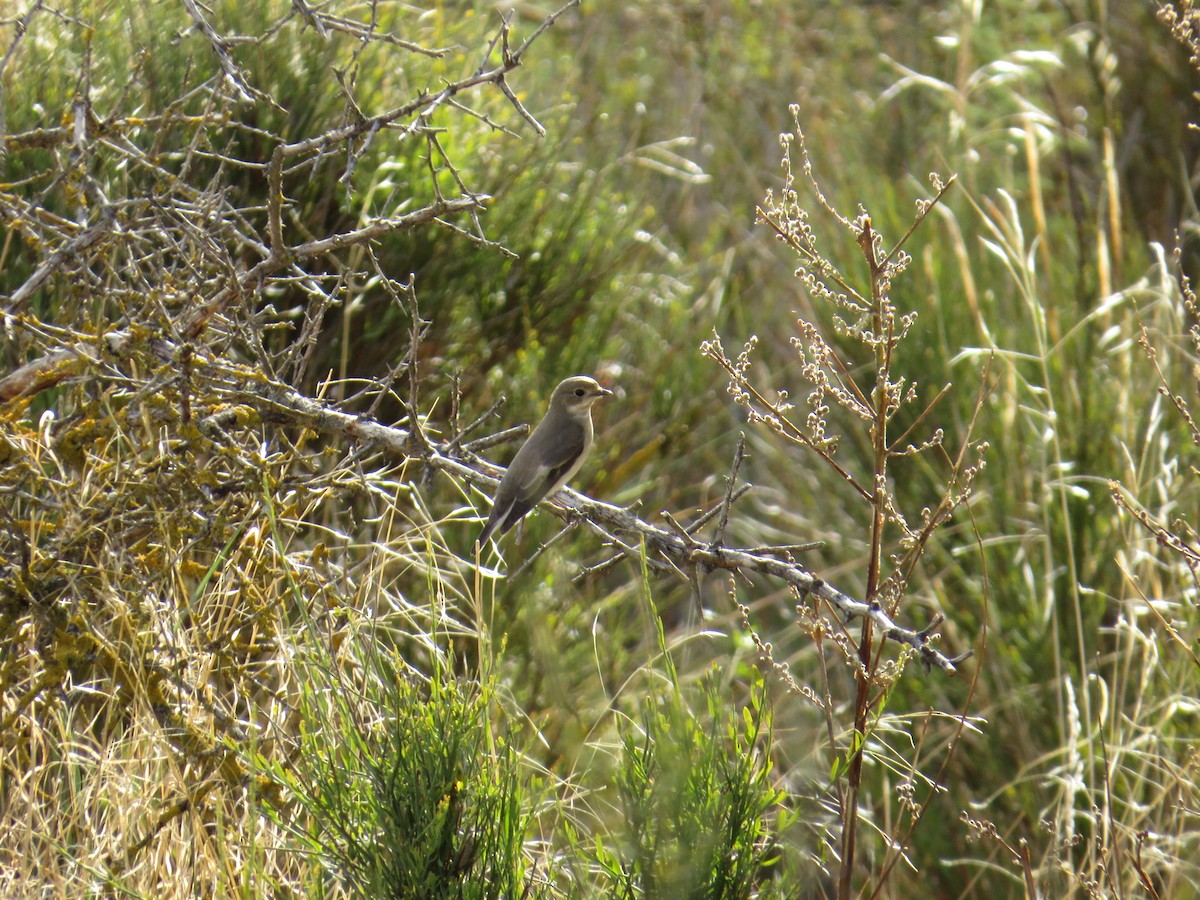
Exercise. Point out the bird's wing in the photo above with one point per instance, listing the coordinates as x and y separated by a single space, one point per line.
558 460
557 463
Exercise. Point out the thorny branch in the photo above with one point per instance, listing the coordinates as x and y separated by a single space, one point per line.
666 549
619 526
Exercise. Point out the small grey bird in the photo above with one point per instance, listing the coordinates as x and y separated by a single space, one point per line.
549 456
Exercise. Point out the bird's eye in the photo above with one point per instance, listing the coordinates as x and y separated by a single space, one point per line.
579 392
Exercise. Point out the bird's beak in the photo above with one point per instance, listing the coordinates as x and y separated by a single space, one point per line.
604 392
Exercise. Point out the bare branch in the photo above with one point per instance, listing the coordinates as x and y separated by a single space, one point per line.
662 546
731 480
232 70
86 240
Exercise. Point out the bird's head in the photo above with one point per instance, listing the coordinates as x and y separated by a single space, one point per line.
578 393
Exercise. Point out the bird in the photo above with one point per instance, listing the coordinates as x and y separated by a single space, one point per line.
550 456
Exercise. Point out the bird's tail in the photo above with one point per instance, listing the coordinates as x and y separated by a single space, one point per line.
488 530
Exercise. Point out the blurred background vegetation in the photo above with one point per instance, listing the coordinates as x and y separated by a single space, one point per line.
599 727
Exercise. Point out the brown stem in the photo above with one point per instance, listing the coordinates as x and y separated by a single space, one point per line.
862 702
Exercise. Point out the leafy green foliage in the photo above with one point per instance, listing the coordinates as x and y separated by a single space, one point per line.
406 791
701 814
